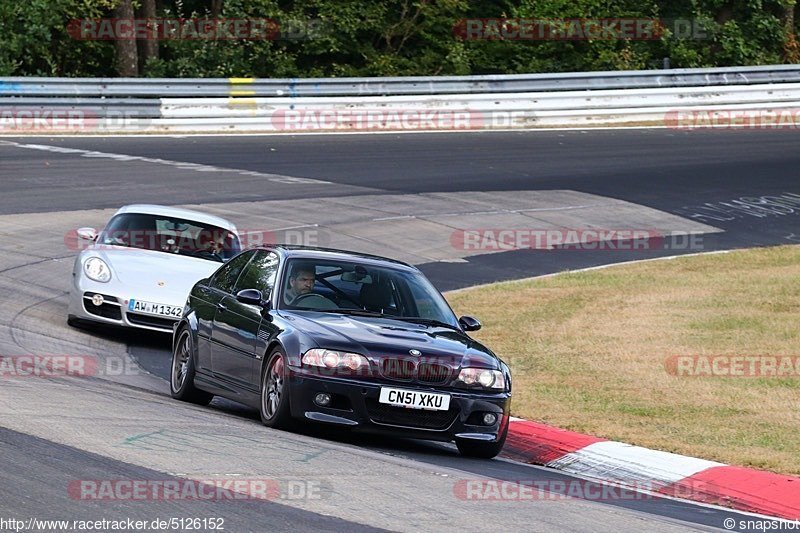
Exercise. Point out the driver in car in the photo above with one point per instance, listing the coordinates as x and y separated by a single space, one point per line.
212 242
301 281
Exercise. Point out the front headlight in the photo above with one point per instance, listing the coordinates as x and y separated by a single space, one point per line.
488 379
335 360
97 269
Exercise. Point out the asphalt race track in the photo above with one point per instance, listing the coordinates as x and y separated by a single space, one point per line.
400 195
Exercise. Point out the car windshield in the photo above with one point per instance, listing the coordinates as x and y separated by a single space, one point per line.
363 289
170 235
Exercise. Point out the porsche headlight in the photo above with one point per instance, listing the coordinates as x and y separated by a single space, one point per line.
489 379
97 269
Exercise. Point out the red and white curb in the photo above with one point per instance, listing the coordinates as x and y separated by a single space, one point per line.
670 474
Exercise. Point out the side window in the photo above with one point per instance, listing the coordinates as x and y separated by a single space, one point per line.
225 277
260 273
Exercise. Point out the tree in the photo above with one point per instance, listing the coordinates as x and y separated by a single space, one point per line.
37 40
791 48
127 58
148 49
391 38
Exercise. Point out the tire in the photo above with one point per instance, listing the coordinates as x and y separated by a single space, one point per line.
181 382
482 449
274 404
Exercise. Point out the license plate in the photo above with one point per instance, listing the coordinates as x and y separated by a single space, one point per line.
150 308
414 399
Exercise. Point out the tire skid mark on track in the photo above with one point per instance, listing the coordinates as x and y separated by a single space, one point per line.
11 325
43 258
32 284
39 327
80 349
37 301
34 263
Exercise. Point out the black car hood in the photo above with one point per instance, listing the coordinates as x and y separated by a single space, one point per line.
378 337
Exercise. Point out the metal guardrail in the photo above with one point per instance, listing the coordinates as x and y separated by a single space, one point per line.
486 103
171 88
395 104
97 107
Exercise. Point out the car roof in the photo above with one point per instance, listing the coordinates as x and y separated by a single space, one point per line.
291 251
178 212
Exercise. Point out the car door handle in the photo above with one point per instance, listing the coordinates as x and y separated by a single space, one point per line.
222 307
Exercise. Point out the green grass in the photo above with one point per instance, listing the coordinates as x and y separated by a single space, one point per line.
588 352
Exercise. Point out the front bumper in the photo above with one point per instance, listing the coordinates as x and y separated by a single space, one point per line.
114 310
355 405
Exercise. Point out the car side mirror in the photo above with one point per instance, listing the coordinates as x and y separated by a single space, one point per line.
87 234
254 297
251 297
469 323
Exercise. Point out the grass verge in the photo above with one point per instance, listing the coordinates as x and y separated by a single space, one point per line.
589 352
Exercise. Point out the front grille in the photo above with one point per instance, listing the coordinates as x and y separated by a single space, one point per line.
151 321
108 309
433 373
399 369
410 370
414 418
106 297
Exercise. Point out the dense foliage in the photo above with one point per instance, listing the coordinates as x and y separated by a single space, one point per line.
392 38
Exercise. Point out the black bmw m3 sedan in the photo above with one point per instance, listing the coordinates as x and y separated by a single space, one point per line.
341 338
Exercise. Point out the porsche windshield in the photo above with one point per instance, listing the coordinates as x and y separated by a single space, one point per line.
170 235
353 288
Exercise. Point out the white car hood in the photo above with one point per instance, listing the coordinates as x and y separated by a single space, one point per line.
156 276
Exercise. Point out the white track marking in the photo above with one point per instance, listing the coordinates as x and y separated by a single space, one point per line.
582 129
183 165
631 464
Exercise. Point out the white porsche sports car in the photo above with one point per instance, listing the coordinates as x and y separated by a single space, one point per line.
138 271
